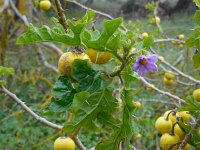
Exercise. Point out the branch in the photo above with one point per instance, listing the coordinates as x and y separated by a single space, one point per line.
78 143
87 8
22 17
6 4
162 92
26 108
169 40
61 15
37 117
53 47
157 101
177 70
96 11
43 60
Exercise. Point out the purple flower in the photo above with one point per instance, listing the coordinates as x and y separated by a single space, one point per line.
145 64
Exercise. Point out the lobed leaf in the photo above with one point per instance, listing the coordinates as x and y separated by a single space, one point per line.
100 44
57 33
63 95
87 107
122 131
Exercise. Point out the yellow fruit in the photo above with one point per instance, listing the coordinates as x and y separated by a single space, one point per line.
156 20
167 140
180 46
196 94
99 57
149 89
184 115
163 125
64 143
45 5
169 76
66 60
172 116
138 105
138 136
168 82
178 131
174 42
181 37
145 35
187 147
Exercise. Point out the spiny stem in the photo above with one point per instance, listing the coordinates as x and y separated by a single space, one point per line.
61 15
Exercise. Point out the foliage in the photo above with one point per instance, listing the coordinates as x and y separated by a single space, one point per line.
89 91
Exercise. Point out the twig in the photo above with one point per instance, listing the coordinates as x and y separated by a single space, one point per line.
78 143
160 91
53 47
41 57
61 15
26 108
168 40
87 8
37 117
179 59
157 101
96 11
6 4
22 17
176 70
155 14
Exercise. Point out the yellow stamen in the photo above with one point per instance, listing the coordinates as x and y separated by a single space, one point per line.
143 61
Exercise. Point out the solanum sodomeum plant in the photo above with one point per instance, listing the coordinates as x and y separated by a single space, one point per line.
85 88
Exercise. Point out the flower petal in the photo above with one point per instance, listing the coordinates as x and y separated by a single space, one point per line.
152 58
136 66
142 71
151 67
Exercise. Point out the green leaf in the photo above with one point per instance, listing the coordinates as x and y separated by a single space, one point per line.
196 60
58 27
129 76
63 94
197 2
57 34
100 44
148 42
192 106
196 17
150 6
194 39
58 106
195 138
124 129
86 107
2 82
5 70
88 79
114 43
46 34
